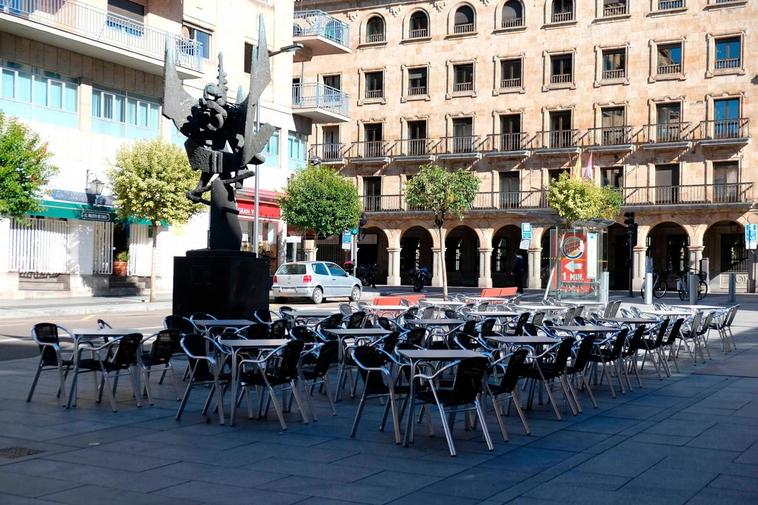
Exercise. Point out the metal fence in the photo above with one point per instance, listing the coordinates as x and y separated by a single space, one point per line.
39 245
102 258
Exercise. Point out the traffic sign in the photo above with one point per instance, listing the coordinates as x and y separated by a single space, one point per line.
526 231
347 240
354 231
751 236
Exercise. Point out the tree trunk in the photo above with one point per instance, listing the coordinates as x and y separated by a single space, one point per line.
443 265
154 262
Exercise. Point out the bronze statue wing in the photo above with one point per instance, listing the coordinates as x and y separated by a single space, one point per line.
260 77
177 103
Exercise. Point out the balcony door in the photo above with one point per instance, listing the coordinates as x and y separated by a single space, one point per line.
613 119
669 128
372 191
726 178
727 115
560 129
510 132
417 139
666 184
373 137
463 129
509 190
331 142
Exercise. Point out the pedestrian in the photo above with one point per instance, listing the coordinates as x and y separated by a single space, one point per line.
519 268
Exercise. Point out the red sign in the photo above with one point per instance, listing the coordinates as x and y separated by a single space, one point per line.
265 210
573 258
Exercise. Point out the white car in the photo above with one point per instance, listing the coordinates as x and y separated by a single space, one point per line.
315 280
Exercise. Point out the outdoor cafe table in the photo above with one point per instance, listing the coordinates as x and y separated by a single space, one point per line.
443 321
583 302
668 313
226 323
416 356
315 313
494 313
524 339
629 320
695 308
501 299
387 308
238 345
441 303
343 333
585 328
546 308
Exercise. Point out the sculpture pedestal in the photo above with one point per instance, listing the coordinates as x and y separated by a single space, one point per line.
227 284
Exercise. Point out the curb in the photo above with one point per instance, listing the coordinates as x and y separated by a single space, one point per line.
83 310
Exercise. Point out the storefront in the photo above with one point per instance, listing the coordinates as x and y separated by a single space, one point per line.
271 228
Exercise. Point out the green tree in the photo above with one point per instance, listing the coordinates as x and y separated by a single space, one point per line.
447 195
319 200
150 180
580 200
24 168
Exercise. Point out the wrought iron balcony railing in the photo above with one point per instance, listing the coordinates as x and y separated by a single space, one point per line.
329 152
416 147
667 132
686 194
318 95
505 200
371 149
559 139
461 144
507 142
610 136
320 24
723 129
102 26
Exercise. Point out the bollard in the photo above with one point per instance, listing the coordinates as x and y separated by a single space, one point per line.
604 283
648 288
693 285
732 287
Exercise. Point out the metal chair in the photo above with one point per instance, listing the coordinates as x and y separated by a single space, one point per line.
51 355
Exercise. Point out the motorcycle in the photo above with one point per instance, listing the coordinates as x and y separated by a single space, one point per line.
367 275
421 277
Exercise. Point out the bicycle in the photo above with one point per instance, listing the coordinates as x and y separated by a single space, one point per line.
660 288
682 285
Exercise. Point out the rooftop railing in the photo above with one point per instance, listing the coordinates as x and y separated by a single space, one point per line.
318 95
320 24
102 26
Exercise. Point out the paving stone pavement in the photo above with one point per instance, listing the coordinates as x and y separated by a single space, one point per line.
692 438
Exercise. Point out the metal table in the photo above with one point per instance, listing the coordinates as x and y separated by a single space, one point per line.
585 328
629 320
494 313
315 313
437 322
238 345
526 339
226 323
441 303
545 308
416 356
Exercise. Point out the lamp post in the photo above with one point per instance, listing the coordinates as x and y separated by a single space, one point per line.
93 189
291 48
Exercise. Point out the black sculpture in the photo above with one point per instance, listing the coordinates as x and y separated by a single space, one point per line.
223 139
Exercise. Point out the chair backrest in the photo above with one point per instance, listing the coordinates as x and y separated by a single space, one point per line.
102 324
730 317
513 371
257 331
462 340
385 323
675 332
47 333
287 312
305 334
126 354
563 354
262 315
487 328
580 320
583 353
695 324
616 307
164 346
538 318
180 323
451 314
201 315
661 332
356 319
468 380
428 312
416 336
520 322
346 309
530 329
332 322
618 343
636 341
389 343
410 313
327 354
578 310
706 324
469 327
279 328
568 317
366 356
287 369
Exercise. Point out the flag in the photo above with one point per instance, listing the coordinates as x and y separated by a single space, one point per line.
577 170
588 169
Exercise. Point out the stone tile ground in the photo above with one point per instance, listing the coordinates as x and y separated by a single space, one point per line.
692 438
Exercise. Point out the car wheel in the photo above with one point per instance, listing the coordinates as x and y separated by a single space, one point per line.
317 296
355 294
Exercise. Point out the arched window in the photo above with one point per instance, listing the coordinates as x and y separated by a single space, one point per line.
375 29
419 25
563 10
513 14
464 21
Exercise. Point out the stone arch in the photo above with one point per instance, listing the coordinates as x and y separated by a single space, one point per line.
616 256
415 21
373 25
372 250
507 12
457 14
462 256
724 246
505 244
416 245
668 245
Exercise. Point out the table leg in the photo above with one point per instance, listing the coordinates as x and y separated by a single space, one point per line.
232 417
408 435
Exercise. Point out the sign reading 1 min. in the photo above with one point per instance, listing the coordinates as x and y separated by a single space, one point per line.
573 262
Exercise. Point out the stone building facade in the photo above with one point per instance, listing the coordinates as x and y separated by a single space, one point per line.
656 96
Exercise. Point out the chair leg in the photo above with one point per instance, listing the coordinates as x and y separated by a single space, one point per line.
589 390
107 387
185 397
72 393
552 400
358 414
299 401
329 396
516 401
446 429
567 394
574 395
499 416
395 418
483 423
148 389
36 378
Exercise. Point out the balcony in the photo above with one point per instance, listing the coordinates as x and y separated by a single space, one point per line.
320 34
616 73
614 9
84 29
374 94
459 87
418 33
328 154
667 136
464 28
727 63
511 23
509 200
559 141
670 5
670 69
724 132
561 78
416 149
375 38
507 145
514 83
417 91
689 194
610 139
460 147
562 17
371 151
320 103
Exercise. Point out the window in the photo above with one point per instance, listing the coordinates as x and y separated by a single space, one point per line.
332 146
670 58
726 182
726 113
45 89
669 127
561 134
613 127
417 144
375 30
513 14
728 53
667 5
614 64
463 77
419 25
272 147
734 255
203 38
333 81
374 145
320 269
247 65
374 84
614 8
612 176
554 174
124 109
372 193
417 81
510 132
561 71
510 73
563 11
126 16
464 21
297 144
463 140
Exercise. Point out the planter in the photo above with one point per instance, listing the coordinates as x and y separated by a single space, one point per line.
119 268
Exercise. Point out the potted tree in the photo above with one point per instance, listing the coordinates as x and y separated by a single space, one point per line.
120 264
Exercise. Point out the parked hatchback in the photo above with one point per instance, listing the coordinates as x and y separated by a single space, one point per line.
316 280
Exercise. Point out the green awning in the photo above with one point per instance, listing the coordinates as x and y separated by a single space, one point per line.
70 210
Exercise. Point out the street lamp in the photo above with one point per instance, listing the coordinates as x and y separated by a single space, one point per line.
94 188
256 191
